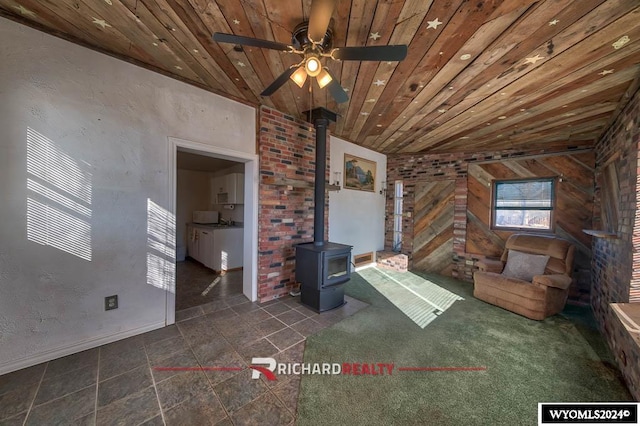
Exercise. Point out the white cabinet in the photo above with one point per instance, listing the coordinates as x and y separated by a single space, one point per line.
227 248
193 242
205 249
220 249
200 244
239 192
228 189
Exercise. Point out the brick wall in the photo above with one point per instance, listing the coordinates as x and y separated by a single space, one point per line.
286 147
616 261
412 169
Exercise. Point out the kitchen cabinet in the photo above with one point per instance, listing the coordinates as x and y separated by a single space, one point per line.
200 244
192 242
217 248
205 249
228 189
227 248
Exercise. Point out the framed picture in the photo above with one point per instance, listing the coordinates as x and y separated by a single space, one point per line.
359 173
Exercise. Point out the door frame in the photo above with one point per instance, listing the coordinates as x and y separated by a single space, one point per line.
250 234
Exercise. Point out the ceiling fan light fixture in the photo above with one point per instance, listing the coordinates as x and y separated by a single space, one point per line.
312 40
299 77
323 78
312 66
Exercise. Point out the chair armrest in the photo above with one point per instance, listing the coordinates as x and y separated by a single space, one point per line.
489 265
560 281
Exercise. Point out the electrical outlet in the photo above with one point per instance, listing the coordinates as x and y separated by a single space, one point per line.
111 302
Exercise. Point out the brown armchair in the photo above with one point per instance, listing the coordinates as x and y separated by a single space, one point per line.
546 293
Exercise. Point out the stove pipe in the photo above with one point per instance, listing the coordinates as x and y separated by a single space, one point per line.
321 167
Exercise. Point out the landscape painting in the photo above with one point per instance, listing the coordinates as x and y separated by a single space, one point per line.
359 173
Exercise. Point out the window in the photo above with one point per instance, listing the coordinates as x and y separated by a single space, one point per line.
523 204
397 216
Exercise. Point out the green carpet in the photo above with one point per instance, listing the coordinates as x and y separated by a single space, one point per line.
418 298
560 359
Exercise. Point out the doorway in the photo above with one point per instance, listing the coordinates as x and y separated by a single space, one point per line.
214 257
202 240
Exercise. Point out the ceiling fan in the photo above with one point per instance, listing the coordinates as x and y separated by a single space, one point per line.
312 40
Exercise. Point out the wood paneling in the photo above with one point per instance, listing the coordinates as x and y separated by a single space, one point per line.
574 200
433 226
479 76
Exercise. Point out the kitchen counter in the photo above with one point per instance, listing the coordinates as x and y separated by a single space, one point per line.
215 226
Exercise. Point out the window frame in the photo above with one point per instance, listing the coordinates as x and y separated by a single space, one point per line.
398 215
553 180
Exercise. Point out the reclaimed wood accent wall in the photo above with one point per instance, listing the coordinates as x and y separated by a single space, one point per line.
433 226
573 213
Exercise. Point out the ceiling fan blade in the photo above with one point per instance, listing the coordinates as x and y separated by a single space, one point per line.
278 82
370 53
319 18
250 41
336 90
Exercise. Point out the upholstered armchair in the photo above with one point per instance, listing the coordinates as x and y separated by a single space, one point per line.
532 277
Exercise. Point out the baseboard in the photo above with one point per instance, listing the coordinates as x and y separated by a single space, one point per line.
52 354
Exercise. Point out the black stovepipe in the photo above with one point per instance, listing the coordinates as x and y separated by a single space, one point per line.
319 194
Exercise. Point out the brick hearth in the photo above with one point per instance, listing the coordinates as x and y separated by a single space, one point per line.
394 261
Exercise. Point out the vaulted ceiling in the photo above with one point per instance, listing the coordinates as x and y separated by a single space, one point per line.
480 75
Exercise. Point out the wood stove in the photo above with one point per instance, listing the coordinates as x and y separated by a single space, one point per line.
322 267
323 271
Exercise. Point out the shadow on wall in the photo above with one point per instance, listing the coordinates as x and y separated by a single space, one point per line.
161 247
59 200
59 210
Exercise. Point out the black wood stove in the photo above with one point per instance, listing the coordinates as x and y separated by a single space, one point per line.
322 267
322 270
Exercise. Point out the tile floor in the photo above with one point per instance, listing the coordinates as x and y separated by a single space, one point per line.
193 279
118 384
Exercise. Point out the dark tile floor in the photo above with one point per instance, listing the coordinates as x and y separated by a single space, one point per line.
193 278
119 383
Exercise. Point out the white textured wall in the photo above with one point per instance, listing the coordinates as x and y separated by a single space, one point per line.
356 217
106 124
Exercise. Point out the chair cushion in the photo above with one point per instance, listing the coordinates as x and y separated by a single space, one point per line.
524 266
560 251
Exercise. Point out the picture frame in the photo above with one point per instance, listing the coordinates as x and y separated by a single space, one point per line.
359 173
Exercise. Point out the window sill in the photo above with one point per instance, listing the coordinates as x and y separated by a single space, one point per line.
600 234
522 230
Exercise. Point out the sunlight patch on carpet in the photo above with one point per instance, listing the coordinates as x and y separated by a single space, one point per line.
419 299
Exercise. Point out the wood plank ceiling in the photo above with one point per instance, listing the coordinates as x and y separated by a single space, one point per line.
480 75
